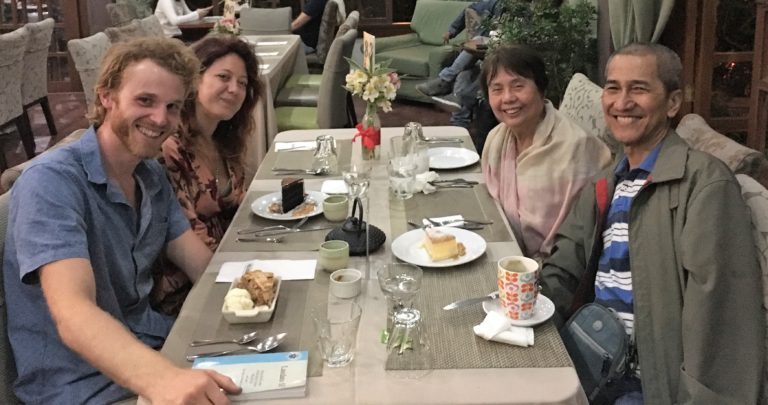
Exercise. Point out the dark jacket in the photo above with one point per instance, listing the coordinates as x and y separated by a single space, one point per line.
696 280
484 8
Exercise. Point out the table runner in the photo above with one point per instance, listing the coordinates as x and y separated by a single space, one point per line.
301 241
453 342
301 159
292 316
472 203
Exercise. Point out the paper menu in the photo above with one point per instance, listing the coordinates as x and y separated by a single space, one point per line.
286 269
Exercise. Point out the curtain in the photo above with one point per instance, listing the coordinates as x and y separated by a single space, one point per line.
638 20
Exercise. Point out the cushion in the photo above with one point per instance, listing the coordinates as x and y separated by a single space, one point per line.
296 118
739 158
581 103
119 14
265 21
298 96
151 26
411 60
756 198
126 32
431 19
303 80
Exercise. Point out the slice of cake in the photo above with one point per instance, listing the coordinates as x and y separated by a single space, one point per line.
440 245
292 190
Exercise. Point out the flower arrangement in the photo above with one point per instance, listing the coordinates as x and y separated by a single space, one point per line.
377 86
226 25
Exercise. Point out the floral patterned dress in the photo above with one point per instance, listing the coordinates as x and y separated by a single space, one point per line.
209 206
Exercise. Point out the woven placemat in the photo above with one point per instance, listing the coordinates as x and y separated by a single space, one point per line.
472 203
291 316
453 342
295 242
301 159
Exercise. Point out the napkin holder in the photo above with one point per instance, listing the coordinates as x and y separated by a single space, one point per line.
353 232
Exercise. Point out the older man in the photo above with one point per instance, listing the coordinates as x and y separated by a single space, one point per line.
663 239
85 224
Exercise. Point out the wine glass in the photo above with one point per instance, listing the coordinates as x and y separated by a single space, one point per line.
399 282
357 176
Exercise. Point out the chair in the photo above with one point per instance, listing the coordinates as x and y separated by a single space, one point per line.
87 54
120 14
7 362
265 21
421 54
151 26
326 35
34 83
126 32
12 46
332 93
756 198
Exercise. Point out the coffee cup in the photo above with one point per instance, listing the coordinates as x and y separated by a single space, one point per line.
518 281
346 283
334 255
336 207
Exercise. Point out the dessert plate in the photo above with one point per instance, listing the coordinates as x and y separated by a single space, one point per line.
544 310
451 158
260 207
407 247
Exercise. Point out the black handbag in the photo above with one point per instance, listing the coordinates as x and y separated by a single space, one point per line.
598 345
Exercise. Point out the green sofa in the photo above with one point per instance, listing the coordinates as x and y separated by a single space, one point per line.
421 54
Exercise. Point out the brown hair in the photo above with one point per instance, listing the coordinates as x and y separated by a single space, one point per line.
170 54
230 136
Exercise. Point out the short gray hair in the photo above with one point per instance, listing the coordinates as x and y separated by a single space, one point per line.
668 65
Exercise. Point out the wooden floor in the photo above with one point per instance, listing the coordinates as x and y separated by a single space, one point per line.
69 114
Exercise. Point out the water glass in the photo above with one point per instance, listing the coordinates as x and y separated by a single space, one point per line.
401 168
408 347
337 331
325 157
357 176
399 282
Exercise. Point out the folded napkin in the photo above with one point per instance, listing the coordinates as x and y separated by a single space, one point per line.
286 269
264 67
334 187
267 53
268 43
421 183
498 328
303 145
455 220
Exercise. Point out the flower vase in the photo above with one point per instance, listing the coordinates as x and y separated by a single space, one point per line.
371 120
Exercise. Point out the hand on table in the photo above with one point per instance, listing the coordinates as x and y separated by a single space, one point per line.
202 12
193 387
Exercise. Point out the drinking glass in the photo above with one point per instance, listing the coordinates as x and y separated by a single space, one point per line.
325 157
408 348
399 282
337 331
357 176
401 168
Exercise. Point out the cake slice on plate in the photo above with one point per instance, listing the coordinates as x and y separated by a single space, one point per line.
292 190
440 245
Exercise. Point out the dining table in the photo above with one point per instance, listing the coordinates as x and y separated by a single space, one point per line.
466 369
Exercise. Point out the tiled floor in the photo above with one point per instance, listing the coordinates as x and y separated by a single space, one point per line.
69 114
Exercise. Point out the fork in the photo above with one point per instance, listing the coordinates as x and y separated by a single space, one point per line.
467 226
467 222
295 226
317 172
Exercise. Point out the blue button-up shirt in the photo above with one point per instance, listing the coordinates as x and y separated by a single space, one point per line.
64 206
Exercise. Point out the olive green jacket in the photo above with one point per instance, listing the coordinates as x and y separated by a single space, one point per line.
696 279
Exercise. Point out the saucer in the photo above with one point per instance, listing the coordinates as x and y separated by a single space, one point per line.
544 310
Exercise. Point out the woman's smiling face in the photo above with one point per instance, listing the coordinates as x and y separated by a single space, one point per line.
515 101
222 88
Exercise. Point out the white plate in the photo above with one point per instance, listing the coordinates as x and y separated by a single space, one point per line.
544 310
451 158
407 247
260 207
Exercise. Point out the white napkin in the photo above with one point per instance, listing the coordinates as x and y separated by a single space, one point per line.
267 43
421 183
303 145
455 220
334 187
498 328
267 53
264 67
286 269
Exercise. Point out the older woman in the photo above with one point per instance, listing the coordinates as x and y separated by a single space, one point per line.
205 160
536 160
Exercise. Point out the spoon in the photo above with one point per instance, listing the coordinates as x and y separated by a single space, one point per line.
278 239
247 338
265 345
319 171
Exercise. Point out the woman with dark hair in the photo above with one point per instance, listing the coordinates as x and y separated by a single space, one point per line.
205 160
536 160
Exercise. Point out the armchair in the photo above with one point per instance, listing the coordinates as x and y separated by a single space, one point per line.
421 54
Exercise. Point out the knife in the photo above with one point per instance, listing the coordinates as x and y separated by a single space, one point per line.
259 237
471 301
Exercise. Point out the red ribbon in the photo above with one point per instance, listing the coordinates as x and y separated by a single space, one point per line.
371 136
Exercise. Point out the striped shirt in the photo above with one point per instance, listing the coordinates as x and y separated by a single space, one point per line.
613 282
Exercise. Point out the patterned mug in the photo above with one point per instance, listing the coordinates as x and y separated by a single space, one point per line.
518 279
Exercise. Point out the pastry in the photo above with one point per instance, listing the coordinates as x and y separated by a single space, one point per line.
260 285
292 190
440 245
